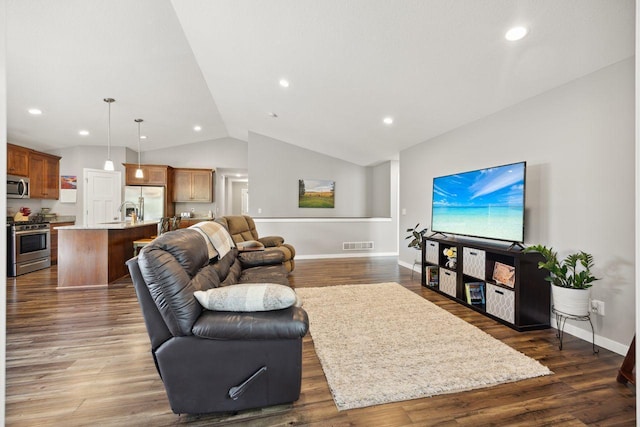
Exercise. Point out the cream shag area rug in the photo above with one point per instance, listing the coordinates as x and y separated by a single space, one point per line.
383 343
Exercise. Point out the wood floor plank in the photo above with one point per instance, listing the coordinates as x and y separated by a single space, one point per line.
82 357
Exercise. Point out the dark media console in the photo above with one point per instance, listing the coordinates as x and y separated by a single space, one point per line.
498 281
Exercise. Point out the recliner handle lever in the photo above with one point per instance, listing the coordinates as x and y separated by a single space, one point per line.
236 392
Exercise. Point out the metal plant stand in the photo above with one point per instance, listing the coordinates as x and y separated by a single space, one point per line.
561 319
415 262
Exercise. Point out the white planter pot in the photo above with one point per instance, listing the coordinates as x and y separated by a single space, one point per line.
574 302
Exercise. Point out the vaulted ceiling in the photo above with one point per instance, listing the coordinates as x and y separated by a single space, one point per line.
431 65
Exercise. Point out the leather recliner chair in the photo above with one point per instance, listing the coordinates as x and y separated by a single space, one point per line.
216 361
243 228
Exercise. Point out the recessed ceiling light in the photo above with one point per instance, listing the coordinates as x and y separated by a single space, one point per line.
83 132
197 128
35 111
143 136
516 33
388 120
284 82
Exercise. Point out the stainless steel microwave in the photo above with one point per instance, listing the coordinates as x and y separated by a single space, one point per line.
18 187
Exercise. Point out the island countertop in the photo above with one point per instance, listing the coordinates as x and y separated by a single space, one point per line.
113 225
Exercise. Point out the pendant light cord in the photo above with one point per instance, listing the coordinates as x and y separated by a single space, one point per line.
109 134
138 121
138 145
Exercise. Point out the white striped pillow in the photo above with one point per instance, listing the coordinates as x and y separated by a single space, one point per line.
247 297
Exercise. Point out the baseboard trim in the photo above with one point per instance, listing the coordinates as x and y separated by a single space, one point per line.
570 329
352 255
417 268
585 335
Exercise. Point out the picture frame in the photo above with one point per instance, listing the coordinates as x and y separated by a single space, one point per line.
504 274
316 193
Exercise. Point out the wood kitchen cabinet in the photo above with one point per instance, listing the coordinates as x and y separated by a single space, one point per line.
44 170
17 160
54 240
152 174
193 185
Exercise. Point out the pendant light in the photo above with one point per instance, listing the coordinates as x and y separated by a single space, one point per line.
139 173
108 164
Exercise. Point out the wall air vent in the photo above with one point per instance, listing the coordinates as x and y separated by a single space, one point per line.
356 246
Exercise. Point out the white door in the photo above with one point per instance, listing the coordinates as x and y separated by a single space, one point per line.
102 195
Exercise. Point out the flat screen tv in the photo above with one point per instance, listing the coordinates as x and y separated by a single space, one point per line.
486 203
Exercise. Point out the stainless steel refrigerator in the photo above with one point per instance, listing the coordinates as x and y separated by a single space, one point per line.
150 200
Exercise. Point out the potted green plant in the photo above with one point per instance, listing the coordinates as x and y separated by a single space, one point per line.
416 237
571 279
416 243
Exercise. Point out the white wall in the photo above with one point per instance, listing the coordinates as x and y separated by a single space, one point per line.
637 182
3 197
323 237
278 166
578 141
218 153
236 196
379 189
274 170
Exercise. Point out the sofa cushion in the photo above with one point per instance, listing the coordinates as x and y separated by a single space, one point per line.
247 297
265 274
270 256
250 245
271 241
290 323
241 227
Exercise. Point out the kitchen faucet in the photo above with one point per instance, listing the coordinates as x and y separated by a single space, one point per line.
122 214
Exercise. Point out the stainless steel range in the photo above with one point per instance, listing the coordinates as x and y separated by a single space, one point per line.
28 247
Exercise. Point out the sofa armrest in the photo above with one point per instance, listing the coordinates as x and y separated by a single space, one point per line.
260 258
271 241
290 323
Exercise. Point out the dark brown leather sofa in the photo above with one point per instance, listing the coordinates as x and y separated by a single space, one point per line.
243 228
215 361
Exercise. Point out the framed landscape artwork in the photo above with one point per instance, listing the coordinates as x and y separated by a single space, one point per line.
316 193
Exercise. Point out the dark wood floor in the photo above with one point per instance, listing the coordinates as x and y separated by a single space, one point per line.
81 357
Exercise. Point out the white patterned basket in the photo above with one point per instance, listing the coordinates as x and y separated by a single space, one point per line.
473 263
501 302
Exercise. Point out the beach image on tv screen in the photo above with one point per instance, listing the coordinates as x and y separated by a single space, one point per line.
483 203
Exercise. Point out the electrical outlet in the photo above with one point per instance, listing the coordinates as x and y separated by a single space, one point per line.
597 307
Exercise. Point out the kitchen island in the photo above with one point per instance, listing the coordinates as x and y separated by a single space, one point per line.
95 255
